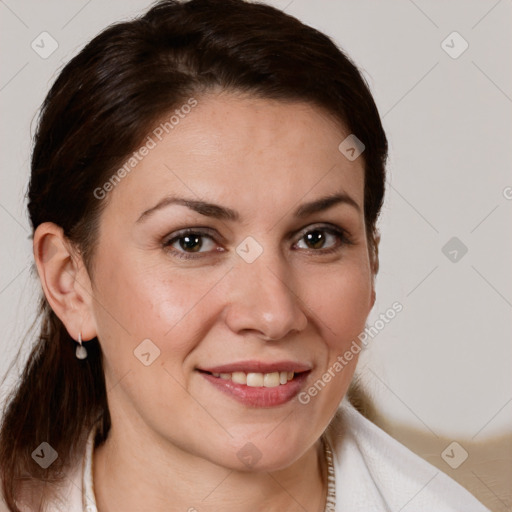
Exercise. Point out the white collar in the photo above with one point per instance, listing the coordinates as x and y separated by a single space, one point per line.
88 496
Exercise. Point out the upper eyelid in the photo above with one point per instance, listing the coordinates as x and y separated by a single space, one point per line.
319 225
203 231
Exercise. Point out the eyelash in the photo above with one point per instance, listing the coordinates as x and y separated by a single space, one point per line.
342 235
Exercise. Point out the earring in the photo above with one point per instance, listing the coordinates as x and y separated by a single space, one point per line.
81 351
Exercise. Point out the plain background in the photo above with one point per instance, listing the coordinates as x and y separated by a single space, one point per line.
440 371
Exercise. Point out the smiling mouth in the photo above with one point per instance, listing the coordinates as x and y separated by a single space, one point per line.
276 385
255 379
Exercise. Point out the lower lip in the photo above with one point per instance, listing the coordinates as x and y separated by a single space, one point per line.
259 396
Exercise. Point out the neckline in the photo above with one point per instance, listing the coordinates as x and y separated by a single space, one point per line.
89 497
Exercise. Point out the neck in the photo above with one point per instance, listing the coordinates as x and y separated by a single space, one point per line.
131 476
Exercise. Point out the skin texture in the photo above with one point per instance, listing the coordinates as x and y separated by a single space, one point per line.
295 302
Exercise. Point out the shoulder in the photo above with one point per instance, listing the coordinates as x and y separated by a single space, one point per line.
376 472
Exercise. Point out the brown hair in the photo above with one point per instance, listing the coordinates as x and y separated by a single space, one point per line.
103 103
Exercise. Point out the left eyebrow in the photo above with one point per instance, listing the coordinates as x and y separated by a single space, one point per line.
325 203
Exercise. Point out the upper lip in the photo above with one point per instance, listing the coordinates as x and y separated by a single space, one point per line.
259 367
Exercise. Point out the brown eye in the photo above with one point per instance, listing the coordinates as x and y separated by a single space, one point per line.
190 243
324 239
315 239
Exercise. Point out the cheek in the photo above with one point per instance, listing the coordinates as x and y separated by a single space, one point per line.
341 300
137 301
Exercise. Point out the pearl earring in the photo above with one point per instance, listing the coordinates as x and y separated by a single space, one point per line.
81 351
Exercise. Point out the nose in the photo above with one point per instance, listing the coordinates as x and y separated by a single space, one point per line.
261 300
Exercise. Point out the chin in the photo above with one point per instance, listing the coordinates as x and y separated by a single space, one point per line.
266 451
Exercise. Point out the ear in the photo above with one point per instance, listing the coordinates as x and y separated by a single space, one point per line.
374 263
65 280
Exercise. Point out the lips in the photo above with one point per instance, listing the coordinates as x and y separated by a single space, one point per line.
257 383
259 367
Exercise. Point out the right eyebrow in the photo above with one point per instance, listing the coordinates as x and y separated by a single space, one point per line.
202 207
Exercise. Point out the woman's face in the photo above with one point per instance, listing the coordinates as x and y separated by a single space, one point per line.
267 281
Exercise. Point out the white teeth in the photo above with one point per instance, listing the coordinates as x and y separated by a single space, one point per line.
239 377
257 380
271 380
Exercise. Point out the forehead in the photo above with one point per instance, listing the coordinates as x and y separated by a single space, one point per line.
245 152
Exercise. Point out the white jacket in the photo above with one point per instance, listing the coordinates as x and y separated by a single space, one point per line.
373 471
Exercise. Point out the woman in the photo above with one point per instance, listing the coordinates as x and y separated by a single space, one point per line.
205 186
